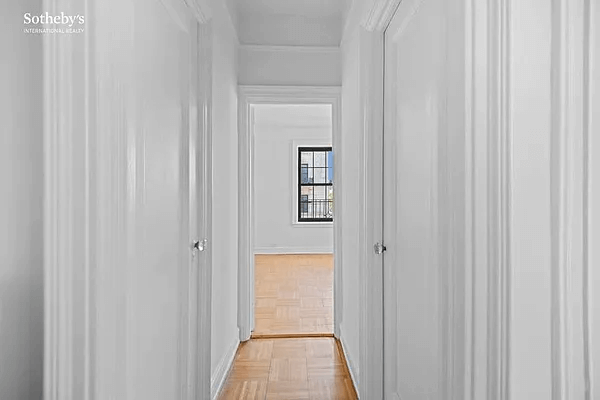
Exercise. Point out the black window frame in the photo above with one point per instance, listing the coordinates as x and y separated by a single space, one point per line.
300 166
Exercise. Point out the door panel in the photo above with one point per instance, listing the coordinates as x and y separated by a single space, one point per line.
159 314
414 104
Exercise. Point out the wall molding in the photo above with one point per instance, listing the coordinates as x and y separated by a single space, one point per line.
219 378
68 305
499 197
248 96
379 15
570 210
200 9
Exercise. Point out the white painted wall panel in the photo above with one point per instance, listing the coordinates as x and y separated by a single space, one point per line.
21 205
272 65
277 129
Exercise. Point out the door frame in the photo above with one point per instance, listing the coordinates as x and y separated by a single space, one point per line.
73 210
248 96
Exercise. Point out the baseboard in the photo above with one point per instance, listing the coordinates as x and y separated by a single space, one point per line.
293 250
349 362
219 378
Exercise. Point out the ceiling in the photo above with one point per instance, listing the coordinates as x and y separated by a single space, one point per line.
303 8
291 22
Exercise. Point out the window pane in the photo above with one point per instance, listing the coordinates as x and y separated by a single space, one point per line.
306 157
304 173
320 175
306 208
320 158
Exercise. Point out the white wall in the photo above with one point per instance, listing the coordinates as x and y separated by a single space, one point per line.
289 65
225 199
21 197
278 131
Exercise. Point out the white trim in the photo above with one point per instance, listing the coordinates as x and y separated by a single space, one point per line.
289 49
570 209
247 97
379 15
200 9
293 250
219 378
68 265
499 198
351 363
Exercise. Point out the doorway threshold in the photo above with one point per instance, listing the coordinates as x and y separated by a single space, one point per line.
291 335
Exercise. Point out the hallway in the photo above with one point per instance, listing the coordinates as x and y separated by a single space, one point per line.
286 369
435 162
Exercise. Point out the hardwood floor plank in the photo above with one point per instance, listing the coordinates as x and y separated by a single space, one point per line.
304 368
245 390
288 370
288 391
293 294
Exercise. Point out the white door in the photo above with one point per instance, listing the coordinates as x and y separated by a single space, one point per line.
161 340
414 104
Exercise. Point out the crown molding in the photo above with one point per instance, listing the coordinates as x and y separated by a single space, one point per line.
200 9
379 15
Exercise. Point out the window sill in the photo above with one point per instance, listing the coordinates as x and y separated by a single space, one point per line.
297 224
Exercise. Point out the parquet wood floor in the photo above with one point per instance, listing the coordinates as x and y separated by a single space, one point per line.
289 369
293 294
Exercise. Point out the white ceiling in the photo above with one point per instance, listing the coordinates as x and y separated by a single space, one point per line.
291 22
305 8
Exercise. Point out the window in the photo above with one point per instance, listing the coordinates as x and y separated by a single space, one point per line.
315 184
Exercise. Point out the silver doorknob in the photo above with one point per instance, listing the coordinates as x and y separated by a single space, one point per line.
200 245
379 248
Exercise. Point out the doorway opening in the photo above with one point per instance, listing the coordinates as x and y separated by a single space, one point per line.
293 210
289 277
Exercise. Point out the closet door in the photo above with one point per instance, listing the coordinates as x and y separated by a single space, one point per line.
414 118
